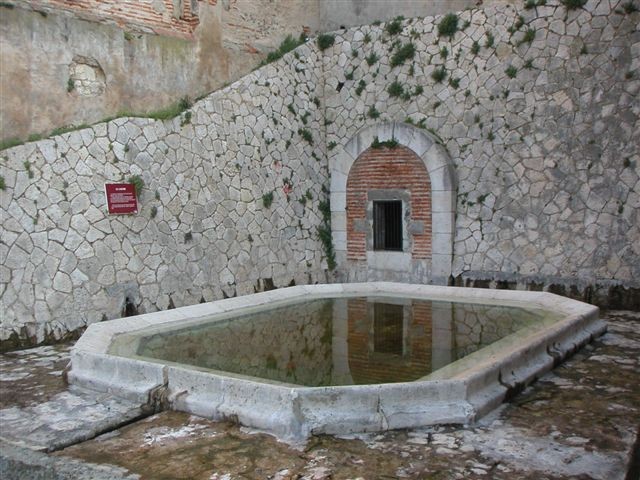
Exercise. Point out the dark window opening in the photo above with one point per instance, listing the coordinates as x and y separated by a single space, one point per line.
387 225
388 328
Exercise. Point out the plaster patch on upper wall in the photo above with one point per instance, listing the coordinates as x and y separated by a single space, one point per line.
86 77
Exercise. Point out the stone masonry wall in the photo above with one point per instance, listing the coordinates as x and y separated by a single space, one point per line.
203 230
163 17
539 111
197 45
143 66
541 127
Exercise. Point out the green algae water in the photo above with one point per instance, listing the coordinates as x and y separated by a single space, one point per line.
341 341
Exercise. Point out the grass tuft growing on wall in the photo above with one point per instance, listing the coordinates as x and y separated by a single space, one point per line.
10 142
137 182
267 199
395 89
448 26
402 54
394 26
376 144
325 41
371 59
288 44
573 4
439 74
324 234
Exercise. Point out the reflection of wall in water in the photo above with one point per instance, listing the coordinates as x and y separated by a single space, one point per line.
476 326
288 344
374 359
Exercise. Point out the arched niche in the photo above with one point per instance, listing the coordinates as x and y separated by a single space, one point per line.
439 166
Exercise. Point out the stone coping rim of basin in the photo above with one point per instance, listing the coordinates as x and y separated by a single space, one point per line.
98 336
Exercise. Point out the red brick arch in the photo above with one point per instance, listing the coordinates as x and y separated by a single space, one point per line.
397 168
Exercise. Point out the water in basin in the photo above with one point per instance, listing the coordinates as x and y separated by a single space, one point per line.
342 341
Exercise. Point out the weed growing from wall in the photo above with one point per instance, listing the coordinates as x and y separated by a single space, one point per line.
376 144
267 199
394 27
439 74
529 36
10 142
324 234
186 119
325 41
395 89
306 134
27 167
137 182
534 3
490 41
448 26
573 4
402 54
629 7
286 46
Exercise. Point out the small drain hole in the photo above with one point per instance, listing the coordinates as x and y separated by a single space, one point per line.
129 309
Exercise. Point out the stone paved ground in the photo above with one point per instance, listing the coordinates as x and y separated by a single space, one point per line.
578 422
39 411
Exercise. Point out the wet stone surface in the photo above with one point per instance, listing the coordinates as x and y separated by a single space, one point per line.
38 410
32 376
577 422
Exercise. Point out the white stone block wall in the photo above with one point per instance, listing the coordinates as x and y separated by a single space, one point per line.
547 162
547 167
202 231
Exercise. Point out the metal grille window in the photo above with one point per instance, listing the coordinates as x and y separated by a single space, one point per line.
388 328
387 225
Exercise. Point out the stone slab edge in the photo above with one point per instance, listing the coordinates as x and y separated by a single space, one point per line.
18 463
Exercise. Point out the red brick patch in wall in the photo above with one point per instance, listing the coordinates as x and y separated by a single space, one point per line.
385 168
163 17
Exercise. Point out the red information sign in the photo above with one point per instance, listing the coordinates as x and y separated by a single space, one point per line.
121 198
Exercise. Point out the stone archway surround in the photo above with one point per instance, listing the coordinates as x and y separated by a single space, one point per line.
443 190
